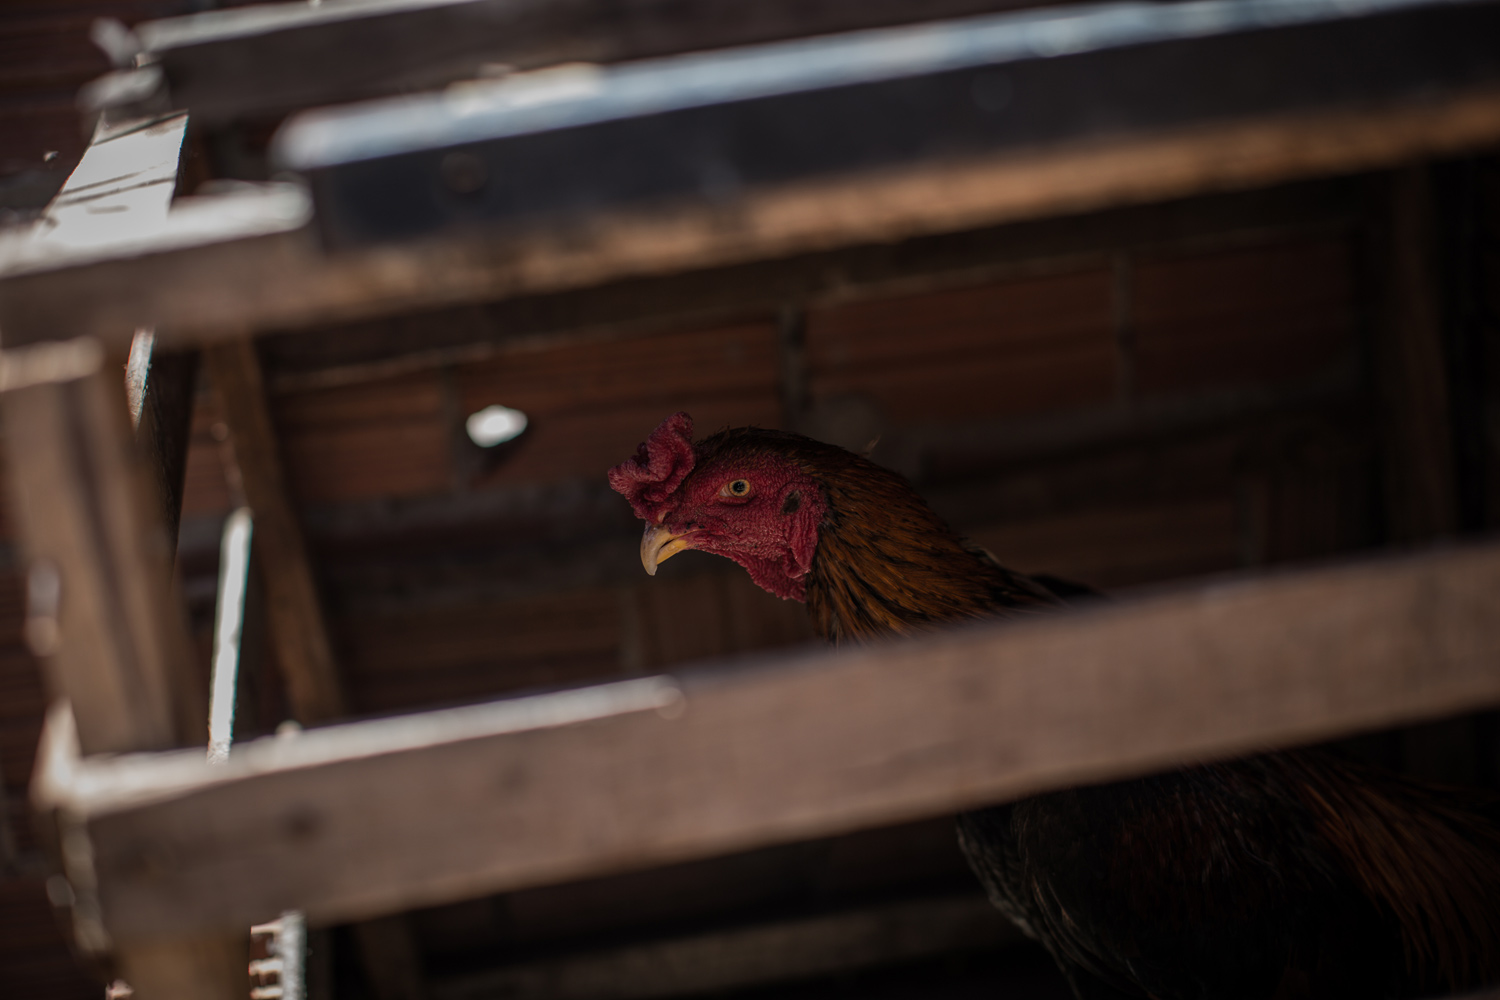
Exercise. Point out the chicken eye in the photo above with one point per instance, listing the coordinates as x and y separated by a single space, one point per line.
736 488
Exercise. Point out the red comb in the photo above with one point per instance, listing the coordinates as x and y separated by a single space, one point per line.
658 468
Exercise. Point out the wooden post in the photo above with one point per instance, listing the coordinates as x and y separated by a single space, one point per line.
99 614
102 614
247 261
294 611
658 770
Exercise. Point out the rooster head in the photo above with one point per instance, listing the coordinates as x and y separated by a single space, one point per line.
745 494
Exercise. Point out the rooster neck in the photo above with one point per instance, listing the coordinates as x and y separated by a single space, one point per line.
886 564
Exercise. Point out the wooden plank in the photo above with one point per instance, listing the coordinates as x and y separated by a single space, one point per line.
294 610
276 57
102 612
743 957
120 190
992 351
713 129
99 504
293 607
117 643
177 282
101 615
658 770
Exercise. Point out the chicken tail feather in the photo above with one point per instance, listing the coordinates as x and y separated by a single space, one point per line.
1428 856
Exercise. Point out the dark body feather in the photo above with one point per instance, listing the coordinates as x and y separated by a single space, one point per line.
1285 875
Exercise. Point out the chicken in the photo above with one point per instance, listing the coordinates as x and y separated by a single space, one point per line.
1284 875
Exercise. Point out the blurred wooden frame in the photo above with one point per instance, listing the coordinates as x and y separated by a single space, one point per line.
172 278
170 860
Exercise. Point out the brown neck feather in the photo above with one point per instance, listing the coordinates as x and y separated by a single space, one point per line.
887 565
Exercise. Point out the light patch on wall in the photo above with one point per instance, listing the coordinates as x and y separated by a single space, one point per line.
495 425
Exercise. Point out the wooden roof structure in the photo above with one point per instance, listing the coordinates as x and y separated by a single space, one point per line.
1112 325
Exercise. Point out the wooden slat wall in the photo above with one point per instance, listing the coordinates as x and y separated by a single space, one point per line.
589 398
1082 700
1258 339
1137 328
1022 346
382 439
1246 316
455 653
1199 322
1093 337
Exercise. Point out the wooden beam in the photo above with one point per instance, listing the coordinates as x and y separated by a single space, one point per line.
715 130
759 955
247 262
359 819
114 643
276 57
121 190
100 611
94 496
293 609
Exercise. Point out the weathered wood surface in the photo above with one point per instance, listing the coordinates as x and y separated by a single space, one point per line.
374 817
119 192
101 616
100 609
295 620
712 129
757 955
246 263
293 607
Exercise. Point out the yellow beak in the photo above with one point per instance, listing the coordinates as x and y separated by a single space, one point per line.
658 545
